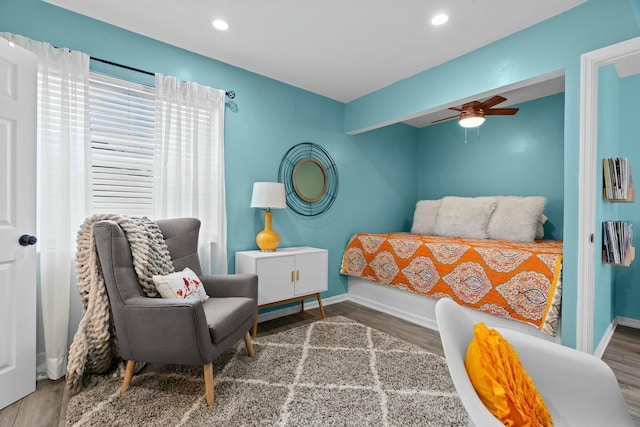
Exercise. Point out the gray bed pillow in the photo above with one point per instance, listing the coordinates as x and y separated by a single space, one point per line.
424 217
516 218
466 217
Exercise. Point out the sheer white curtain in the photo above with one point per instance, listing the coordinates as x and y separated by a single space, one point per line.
189 163
62 140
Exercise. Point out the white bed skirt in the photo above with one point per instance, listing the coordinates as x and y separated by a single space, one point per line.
422 310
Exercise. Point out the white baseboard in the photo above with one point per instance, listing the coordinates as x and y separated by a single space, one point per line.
626 321
274 314
391 299
604 342
608 334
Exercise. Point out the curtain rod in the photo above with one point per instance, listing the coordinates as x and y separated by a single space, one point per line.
230 94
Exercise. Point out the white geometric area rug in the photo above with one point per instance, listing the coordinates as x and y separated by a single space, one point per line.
334 372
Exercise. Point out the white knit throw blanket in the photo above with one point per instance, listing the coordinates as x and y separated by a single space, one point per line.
94 344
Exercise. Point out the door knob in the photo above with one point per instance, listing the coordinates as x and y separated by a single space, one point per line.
27 240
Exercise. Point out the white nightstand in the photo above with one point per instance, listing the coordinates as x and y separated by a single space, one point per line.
286 275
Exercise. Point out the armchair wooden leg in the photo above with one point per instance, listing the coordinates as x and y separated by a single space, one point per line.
128 375
248 343
208 383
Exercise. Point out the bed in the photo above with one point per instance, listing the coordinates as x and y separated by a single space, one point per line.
468 256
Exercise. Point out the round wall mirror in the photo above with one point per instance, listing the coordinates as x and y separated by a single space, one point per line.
310 179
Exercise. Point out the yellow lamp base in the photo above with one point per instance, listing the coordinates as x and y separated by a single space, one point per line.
267 239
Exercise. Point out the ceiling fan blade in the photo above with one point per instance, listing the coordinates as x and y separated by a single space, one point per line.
495 100
455 108
445 119
501 111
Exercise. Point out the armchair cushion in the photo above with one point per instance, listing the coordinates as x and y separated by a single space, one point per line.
225 314
183 284
501 382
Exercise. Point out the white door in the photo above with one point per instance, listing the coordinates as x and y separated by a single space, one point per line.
17 218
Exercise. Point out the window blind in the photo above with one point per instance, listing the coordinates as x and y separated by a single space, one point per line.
122 125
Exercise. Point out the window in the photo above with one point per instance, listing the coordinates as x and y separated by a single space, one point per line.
159 152
122 126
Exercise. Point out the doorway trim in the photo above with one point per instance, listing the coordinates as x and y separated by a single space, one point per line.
590 63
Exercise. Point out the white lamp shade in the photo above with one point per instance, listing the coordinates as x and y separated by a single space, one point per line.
268 195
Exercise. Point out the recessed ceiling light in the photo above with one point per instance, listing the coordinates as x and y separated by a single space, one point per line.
220 24
439 19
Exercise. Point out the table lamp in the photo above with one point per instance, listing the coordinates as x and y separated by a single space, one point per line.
268 195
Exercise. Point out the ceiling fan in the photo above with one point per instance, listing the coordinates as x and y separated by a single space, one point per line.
472 114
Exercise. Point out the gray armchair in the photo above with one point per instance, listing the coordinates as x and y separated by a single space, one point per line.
186 332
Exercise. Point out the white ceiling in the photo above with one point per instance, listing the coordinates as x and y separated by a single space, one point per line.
628 65
342 49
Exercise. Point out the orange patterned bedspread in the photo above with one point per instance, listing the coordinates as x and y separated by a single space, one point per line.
520 281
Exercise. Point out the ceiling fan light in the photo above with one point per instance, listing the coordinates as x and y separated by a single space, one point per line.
471 119
471 122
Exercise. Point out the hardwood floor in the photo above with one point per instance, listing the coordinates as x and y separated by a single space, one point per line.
623 356
47 406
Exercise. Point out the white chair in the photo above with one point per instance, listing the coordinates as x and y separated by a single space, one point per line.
578 388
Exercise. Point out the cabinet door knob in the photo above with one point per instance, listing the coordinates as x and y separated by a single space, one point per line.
297 274
292 277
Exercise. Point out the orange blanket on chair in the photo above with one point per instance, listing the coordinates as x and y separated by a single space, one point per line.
514 280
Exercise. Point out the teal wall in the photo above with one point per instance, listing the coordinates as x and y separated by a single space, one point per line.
377 188
515 155
272 116
608 146
552 45
627 283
